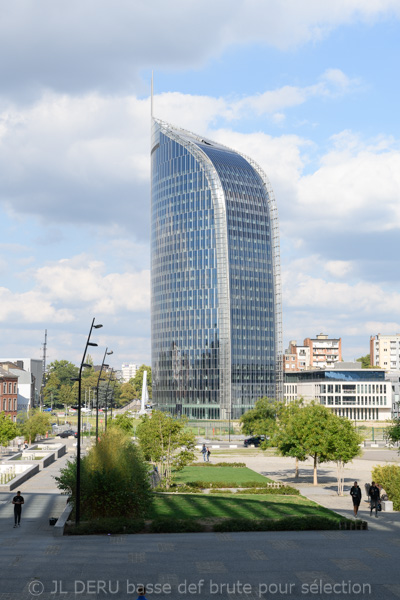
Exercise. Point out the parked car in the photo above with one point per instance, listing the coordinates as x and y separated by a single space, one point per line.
66 433
254 441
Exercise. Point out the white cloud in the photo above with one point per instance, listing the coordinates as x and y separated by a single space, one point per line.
77 281
114 42
339 268
356 187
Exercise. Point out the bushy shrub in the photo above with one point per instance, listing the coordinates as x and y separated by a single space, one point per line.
237 465
114 479
170 525
388 477
227 484
213 491
107 526
285 490
306 523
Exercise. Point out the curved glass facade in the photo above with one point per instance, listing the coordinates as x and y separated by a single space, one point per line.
212 276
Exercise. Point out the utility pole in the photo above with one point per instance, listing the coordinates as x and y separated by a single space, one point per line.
44 369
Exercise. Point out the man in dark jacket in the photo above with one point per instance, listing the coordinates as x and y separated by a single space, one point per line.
355 493
375 498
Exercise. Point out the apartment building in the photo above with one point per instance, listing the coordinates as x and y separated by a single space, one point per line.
385 351
296 358
324 351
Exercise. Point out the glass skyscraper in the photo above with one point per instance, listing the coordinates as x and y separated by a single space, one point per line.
215 278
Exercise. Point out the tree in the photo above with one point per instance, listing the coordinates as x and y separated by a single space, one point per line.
288 438
365 362
137 381
392 433
344 445
59 373
127 394
8 429
261 420
66 395
165 442
124 422
36 423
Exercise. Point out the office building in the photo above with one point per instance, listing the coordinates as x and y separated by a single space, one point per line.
215 278
385 351
358 394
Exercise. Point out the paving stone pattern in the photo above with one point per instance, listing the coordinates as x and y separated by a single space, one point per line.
34 564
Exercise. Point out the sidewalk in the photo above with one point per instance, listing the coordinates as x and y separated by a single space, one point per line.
42 501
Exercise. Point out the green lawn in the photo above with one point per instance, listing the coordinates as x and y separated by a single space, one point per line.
202 506
221 474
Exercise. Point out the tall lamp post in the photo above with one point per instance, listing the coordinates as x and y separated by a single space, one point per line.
78 446
112 396
97 392
108 385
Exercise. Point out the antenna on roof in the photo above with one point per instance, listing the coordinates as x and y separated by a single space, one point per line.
151 104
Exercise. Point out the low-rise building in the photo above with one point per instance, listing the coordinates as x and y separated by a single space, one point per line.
33 366
8 393
358 394
296 358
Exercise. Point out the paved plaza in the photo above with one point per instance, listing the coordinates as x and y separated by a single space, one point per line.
296 565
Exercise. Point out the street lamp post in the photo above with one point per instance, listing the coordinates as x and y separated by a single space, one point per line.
112 397
108 385
97 392
78 446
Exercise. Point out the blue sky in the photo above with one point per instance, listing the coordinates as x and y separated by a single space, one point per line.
308 90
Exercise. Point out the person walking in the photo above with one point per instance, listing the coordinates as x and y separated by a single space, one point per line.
204 452
141 590
355 494
208 454
375 498
18 501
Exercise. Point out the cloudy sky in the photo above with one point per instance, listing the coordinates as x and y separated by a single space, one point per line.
308 89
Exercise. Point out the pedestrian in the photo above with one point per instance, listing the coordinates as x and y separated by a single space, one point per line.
204 452
355 493
382 493
208 454
367 486
374 495
18 501
141 590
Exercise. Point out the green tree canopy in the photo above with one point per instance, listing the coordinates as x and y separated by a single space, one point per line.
165 442
35 423
127 393
60 373
343 446
261 420
365 362
8 429
124 422
288 438
314 431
